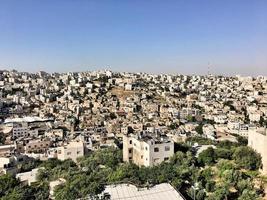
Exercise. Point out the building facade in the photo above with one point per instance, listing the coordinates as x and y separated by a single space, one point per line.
258 141
72 150
145 150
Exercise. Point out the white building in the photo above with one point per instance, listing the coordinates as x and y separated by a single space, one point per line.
71 150
258 141
9 164
221 119
185 112
209 131
128 87
28 177
240 128
255 116
146 150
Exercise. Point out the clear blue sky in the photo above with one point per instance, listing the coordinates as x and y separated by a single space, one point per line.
179 36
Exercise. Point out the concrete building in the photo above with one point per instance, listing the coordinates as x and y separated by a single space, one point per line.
186 112
209 131
7 150
28 177
20 131
71 150
8 165
26 126
258 141
37 146
145 150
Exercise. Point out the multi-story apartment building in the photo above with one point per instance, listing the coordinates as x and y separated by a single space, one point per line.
26 127
255 116
20 131
9 164
258 141
7 150
72 150
185 112
37 146
146 150
240 128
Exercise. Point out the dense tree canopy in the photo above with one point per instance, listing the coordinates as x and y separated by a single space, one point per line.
246 158
12 189
207 157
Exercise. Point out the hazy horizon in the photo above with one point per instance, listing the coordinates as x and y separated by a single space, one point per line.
129 71
180 37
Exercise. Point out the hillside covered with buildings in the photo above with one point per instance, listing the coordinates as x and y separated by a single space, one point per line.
88 135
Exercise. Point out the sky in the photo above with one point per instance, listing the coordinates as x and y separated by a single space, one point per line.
226 37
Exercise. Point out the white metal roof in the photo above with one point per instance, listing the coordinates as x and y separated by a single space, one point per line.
131 192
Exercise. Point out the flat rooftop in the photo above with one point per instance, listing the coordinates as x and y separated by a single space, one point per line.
131 192
151 136
26 119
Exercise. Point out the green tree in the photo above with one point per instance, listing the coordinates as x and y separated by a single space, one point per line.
244 184
199 129
221 193
223 153
40 190
19 192
7 184
223 165
207 156
210 186
197 194
247 158
199 140
248 194
126 172
206 177
242 140
231 176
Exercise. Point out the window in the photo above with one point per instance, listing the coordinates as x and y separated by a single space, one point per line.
130 141
130 150
156 149
146 148
167 148
59 151
78 152
68 153
130 158
142 156
166 158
